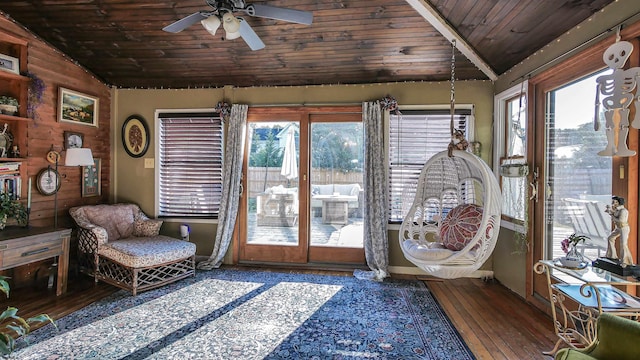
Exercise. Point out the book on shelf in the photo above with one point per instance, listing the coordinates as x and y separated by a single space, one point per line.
11 185
9 166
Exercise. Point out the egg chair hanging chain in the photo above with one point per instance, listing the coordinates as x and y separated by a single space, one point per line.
453 88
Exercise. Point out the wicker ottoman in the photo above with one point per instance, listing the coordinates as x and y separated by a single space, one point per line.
139 264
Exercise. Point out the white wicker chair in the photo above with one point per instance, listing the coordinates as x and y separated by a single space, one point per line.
446 182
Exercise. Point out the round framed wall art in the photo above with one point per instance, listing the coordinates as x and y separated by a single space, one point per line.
135 136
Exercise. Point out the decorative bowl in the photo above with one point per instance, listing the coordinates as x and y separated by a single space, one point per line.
571 263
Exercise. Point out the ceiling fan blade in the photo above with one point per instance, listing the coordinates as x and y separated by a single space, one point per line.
249 36
278 13
186 22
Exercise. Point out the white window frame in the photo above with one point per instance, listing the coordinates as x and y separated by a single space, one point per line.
499 143
470 133
194 218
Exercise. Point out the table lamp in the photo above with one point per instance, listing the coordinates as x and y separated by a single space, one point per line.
73 157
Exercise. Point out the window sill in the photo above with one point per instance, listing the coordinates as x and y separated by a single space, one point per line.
513 226
190 220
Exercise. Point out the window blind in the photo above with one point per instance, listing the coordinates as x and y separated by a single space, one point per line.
190 164
414 137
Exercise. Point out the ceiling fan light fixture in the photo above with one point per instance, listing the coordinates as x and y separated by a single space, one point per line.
232 35
231 24
211 24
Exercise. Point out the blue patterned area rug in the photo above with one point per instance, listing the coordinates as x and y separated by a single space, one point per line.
245 314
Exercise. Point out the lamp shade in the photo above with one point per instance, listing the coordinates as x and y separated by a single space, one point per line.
78 157
211 24
231 26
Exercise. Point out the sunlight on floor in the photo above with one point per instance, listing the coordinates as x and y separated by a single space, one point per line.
177 310
252 320
288 306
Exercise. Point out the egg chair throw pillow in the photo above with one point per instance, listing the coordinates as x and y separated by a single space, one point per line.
460 226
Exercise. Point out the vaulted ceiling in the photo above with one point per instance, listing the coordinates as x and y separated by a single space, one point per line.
363 41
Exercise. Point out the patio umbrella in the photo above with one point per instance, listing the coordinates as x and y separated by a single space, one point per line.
289 161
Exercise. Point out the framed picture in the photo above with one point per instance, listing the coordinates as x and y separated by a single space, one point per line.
9 63
91 183
135 136
73 140
77 108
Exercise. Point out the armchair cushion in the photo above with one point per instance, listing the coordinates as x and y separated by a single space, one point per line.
150 227
117 219
617 338
149 251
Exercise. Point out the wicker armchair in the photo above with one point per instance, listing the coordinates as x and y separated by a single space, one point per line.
120 245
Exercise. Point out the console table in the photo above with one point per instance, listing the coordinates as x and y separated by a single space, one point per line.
25 245
592 291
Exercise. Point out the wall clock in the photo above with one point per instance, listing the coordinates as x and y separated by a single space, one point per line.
72 140
135 136
48 181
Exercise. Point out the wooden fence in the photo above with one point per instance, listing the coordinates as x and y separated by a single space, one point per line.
261 178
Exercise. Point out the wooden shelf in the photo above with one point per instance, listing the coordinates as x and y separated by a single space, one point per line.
4 117
17 86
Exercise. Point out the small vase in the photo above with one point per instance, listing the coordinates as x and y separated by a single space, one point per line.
573 258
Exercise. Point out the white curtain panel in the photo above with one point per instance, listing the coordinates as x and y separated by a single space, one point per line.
376 242
231 186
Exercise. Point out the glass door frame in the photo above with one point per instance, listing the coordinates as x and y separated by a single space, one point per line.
579 66
303 253
326 254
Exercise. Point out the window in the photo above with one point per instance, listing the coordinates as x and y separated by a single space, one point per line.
414 137
190 158
579 180
511 149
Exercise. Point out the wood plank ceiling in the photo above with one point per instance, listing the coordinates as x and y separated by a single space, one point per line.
365 41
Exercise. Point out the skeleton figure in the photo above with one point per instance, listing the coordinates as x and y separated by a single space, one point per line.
617 88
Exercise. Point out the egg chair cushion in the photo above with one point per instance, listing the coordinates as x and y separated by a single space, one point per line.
460 226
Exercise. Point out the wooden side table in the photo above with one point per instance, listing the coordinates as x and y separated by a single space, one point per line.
25 245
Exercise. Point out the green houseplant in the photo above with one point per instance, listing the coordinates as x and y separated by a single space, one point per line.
12 325
12 208
8 105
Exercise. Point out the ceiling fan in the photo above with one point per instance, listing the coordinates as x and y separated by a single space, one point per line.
235 27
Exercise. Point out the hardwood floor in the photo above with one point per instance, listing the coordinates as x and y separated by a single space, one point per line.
494 322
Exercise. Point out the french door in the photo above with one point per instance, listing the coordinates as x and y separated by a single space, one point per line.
303 187
575 183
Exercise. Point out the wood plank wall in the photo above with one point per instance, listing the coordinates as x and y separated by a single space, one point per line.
57 70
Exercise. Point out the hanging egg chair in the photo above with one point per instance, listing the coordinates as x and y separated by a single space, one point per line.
452 226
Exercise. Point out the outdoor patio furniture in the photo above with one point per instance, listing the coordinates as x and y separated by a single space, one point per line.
277 206
352 191
589 218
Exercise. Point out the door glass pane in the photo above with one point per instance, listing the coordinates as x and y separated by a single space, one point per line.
336 203
272 181
578 180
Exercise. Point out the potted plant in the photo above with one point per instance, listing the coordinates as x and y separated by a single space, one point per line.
12 325
12 208
8 105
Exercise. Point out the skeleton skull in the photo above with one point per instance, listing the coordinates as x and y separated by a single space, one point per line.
617 54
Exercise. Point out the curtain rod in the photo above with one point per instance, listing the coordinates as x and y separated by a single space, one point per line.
575 49
306 104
